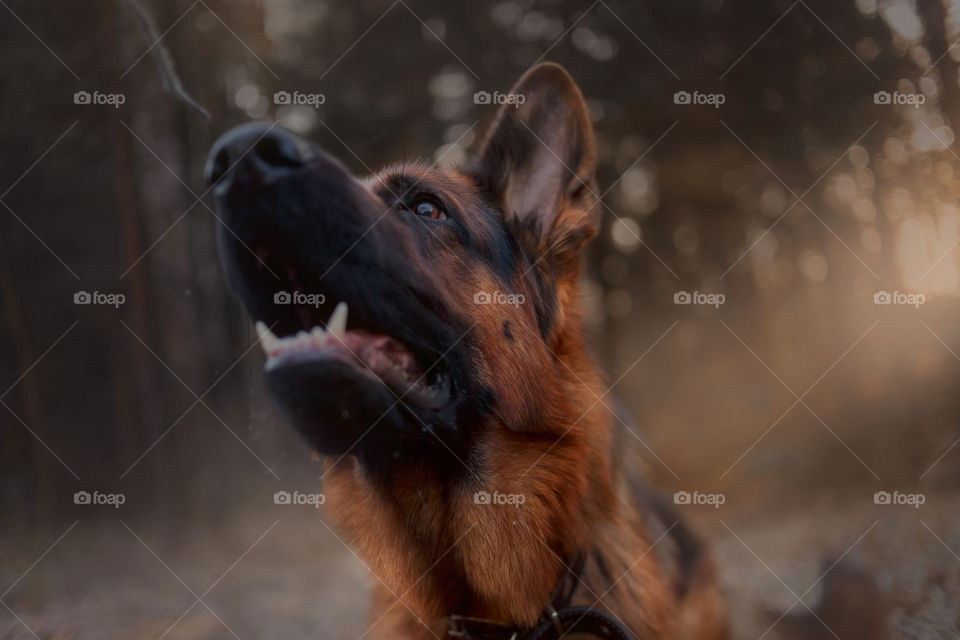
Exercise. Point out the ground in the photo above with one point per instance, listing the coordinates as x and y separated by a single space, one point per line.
284 574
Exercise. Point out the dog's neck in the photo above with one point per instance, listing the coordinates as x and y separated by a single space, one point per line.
438 549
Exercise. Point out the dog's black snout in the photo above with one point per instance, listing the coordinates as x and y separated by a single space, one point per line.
268 147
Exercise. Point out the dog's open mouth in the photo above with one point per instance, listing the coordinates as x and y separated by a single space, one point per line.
303 338
381 356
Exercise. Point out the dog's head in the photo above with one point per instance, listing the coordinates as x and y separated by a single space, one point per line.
404 312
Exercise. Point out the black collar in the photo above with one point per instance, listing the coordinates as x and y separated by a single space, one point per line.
559 617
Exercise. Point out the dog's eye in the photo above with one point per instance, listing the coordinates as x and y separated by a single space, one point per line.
428 209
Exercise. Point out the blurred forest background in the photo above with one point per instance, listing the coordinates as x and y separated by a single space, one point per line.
799 198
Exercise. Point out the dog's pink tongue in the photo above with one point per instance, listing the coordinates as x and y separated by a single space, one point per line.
382 353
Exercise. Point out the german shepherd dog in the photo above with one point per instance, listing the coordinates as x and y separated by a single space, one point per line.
423 333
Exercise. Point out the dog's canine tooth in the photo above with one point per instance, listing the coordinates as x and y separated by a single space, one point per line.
262 330
337 325
268 341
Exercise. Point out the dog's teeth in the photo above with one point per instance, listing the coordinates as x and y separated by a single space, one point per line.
318 335
268 341
337 325
303 340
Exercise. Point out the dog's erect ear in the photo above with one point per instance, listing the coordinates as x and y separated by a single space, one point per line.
539 161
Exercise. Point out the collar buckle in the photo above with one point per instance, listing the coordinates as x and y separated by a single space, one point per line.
554 617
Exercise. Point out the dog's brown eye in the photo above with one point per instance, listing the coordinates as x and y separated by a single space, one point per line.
428 209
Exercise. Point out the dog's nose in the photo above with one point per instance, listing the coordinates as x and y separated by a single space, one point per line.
271 149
